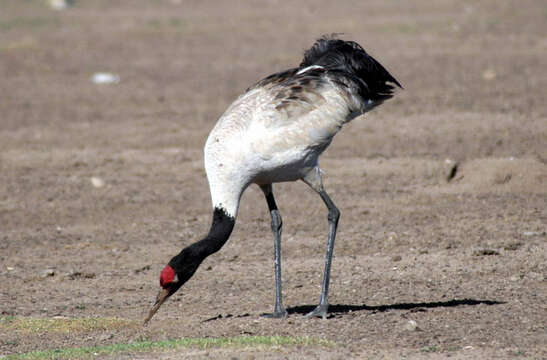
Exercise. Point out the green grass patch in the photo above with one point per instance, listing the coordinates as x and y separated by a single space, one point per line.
430 349
36 325
143 346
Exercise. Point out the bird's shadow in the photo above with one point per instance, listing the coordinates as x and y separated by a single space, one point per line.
341 309
338 309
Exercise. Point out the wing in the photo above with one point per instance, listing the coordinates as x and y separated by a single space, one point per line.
274 79
301 112
297 110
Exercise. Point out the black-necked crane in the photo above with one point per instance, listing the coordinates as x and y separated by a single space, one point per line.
275 132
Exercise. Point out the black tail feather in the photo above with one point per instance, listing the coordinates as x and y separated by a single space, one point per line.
376 83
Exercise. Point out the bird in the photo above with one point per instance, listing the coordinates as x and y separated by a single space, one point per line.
275 132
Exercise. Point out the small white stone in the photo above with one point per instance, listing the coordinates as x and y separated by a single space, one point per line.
105 78
59 4
411 325
97 182
489 74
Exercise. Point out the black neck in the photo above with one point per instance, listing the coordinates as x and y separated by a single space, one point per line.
220 231
189 259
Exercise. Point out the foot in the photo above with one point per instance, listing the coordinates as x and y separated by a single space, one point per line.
319 311
278 314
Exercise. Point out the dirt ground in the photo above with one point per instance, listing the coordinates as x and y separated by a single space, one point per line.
442 245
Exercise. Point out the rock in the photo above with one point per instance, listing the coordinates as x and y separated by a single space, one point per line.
392 236
396 258
485 252
411 325
60 4
47 273
489 74
450 169
105 78
97 182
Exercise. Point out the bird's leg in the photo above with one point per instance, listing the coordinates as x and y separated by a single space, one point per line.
314 180
279 310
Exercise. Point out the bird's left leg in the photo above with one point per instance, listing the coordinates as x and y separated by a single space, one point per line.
313 179
279 310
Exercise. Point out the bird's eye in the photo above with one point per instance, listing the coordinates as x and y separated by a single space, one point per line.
175 279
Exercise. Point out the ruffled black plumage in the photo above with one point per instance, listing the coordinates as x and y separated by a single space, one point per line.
373 81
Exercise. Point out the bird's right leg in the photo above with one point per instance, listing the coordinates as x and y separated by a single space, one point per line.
313 179
279 310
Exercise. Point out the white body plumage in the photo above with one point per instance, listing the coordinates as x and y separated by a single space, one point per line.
259 140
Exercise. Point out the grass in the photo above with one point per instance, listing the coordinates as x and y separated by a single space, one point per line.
34 325
430 349
142 346
26 326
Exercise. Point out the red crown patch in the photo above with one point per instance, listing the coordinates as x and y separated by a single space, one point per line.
167 275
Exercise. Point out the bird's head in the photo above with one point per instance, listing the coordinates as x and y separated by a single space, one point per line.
170 283
183 266
172 277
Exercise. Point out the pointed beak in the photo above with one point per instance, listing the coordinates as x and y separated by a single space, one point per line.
163 294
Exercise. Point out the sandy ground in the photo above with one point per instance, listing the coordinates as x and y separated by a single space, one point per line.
442 190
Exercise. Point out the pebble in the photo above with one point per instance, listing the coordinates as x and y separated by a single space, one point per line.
450 169
485 252
105 78
97 182
489 74
411 325
60 4
47 273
